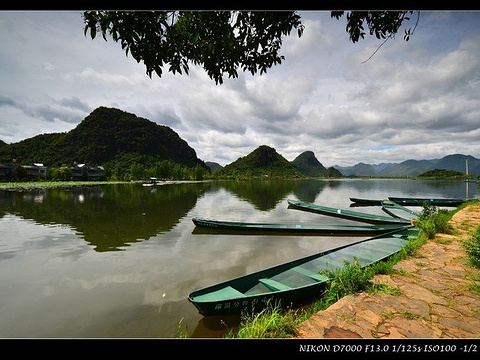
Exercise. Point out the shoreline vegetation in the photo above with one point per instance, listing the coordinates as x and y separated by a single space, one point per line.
30 185
275 323
26 185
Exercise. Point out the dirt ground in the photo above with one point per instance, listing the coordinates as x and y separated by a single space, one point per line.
435 300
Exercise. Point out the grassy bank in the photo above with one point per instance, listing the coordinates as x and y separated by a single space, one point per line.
275 323
53 184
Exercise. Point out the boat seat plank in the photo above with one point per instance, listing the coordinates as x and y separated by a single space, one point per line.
315 276
224 293
274 285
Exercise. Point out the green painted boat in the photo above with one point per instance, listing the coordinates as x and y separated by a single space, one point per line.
398 211
206 226
347 214
365 202
453 202
293 283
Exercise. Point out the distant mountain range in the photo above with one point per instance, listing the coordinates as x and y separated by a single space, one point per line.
455 162
118 140
265 161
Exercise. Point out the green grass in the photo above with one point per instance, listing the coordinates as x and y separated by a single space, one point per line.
269 323
472 247
432 220
273 322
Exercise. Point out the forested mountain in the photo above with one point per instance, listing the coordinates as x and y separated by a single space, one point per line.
309 165
106 137
263 162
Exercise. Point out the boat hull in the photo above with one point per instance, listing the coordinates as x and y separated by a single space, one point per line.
293 283
346 214
429 201
366 202
398 211
255 304
206 226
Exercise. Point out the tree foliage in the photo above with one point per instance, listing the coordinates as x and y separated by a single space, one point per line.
381 24
221 41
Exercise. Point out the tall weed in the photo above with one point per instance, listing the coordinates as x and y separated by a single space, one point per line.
472 247
432 220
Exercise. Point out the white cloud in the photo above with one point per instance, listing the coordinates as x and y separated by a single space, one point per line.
416 99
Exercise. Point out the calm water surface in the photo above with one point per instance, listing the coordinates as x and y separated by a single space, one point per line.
119 261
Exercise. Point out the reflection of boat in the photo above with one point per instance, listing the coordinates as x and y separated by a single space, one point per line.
366 202
215 226
346 214
430 201
398 211
292 283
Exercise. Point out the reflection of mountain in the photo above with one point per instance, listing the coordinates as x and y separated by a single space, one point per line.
108 217
264 194
308 190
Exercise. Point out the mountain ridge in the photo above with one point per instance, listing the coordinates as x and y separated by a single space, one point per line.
107 136
412 167
110 136
262 162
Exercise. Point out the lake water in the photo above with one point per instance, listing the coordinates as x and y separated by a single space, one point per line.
118 261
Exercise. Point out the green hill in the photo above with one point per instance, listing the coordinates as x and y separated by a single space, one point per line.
442 174
107 137
308 165
263 162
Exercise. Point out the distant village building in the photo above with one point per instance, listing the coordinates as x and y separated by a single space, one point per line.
81 172
36 171
6 172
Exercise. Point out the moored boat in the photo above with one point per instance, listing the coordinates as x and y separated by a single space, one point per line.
398 211
292 283
365 202
346 214
215 226
453 202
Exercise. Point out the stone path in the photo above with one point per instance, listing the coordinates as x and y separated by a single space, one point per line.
435 300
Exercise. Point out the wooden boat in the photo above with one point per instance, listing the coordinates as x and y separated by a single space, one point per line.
346 214
216 226
366 202
292 283
453 202
398 211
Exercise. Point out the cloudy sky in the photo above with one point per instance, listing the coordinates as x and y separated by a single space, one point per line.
412 100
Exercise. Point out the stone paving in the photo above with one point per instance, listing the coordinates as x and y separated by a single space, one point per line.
434 301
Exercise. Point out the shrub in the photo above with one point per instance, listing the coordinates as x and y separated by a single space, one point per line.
432 220
472 247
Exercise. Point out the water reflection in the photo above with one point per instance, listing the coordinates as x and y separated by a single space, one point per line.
53 285
309 190
112 217
107 217
263 195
